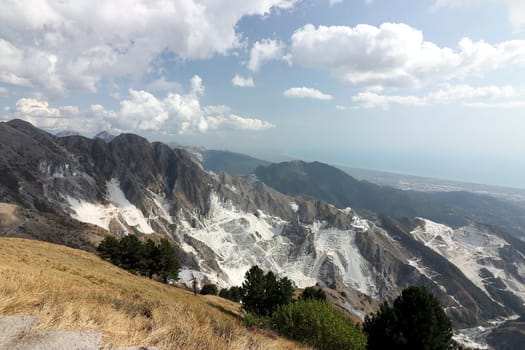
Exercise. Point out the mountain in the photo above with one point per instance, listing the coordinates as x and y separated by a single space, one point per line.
66 133
221 225
230 162
105 135
328 183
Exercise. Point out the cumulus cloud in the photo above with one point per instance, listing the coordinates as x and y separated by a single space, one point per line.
241 81
465 94
264 51
62 45
515 8
161 84
54 119
335 2
3 91
305 92
140 111
396 55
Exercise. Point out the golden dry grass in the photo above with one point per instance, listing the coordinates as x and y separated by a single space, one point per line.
72 289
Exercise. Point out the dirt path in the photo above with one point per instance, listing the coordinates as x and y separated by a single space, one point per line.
8 215
17 333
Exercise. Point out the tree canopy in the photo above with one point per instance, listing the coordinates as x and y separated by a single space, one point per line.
263 293
146 258
416 320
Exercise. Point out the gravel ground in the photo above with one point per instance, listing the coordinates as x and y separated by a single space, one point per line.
17 333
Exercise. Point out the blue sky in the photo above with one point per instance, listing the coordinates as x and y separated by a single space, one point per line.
428 87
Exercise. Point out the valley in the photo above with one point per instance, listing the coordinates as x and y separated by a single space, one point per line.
307 221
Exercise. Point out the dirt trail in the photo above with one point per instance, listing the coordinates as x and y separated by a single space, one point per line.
17 333
8 215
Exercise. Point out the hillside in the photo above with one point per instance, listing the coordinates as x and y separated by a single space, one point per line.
127 309
330 184
231 162
74 190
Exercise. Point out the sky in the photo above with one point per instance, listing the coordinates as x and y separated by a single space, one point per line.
425 87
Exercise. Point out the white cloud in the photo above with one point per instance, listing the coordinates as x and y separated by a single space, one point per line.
161 84
140 111
515 8
235 122
3 91
396 55
63 45
241 81
54 119
465 94
305 92
335 2
264 51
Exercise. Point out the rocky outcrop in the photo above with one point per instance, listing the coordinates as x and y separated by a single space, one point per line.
72 190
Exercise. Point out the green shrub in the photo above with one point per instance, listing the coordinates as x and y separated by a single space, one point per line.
318 324
313 293
253 320
210 289
233 293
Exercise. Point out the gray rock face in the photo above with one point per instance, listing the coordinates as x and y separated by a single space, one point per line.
221 225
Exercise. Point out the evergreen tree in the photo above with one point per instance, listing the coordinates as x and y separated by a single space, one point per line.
149 262
253 291
262 294
168 265
416 320
130 252
285 290
108 249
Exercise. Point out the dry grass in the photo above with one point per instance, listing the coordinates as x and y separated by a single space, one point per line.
71 289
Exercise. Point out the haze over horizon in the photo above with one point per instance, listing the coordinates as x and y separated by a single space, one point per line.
432 88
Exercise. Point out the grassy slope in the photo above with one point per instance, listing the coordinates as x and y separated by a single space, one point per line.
73 289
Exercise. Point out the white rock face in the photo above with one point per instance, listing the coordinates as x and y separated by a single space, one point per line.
471 250
241 240
119 209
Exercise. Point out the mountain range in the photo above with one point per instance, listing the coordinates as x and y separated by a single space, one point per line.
308 221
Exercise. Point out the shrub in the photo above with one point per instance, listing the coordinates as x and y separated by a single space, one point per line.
209 289
233 294
313 293
318 324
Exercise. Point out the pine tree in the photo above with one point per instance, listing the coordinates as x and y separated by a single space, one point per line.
253 291
130 252
168 265
416 320
262 294
150 258
108 249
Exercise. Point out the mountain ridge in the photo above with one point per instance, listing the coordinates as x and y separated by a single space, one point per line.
221 225
333 185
